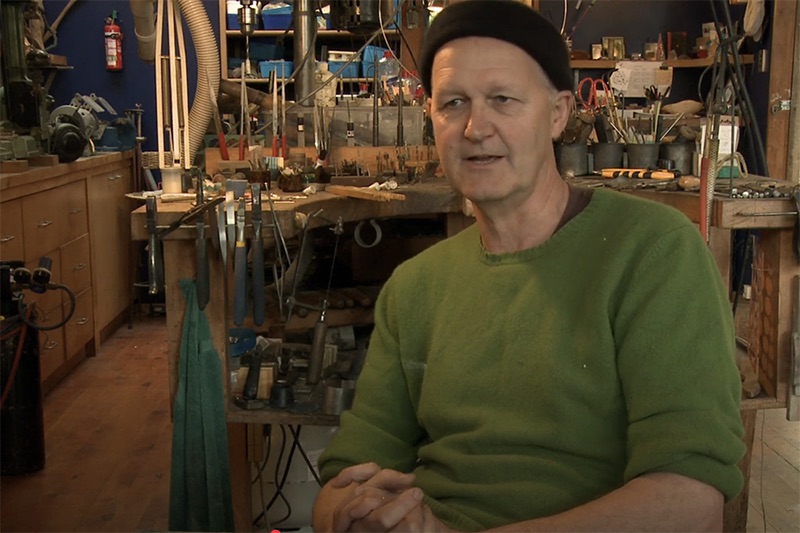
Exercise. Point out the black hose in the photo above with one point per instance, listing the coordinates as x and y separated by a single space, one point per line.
50 286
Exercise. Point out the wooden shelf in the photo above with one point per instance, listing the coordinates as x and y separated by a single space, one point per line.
289 33
266 80
599 64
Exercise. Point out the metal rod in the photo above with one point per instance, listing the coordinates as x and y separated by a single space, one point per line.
304 33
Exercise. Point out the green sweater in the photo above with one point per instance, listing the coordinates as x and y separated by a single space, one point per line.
521 385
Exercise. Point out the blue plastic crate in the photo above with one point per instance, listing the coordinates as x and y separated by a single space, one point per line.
281 67
370 55
350 71
265 50
279 18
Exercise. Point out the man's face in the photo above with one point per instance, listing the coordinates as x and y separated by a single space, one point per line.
494 117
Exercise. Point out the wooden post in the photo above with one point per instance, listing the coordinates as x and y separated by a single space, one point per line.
784 22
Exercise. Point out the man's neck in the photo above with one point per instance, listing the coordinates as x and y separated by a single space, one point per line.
507 229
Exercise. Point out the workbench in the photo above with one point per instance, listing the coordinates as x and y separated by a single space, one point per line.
772 296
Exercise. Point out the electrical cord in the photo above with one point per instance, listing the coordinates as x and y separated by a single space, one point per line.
49 286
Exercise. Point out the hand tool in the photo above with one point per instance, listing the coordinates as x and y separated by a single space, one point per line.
219 214
317 353
155 263
258 256
282 129
274 83
301 131
249 398
639 173
240 268
244 119
230 217
223 145
189 216
400 140
201 253
375 117
351 134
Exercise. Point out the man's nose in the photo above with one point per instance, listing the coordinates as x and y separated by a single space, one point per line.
479 124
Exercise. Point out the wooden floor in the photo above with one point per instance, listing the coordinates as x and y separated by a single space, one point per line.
108 439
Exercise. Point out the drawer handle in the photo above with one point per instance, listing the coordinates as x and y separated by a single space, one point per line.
49 345
75 211
82 321
7 239
45 223
80 266
115 178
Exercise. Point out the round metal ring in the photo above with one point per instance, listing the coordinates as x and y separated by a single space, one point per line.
360 241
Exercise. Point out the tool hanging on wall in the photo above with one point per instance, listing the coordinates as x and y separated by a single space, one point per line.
203 282
317 353
258 256
223 145
240 268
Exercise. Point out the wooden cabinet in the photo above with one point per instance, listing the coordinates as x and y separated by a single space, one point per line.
110 235
75 214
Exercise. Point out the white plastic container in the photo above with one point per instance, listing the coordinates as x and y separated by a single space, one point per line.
327 85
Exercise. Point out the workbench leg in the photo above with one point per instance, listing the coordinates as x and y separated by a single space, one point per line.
735 512
240 477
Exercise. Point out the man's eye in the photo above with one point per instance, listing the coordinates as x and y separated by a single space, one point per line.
501 99
455 102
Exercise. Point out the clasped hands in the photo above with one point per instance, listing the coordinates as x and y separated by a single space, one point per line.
381 500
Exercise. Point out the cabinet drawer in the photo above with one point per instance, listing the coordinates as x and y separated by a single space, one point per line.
76 211
44 222
76 272
11 246
51 344
80 328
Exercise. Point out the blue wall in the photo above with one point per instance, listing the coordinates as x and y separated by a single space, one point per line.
80 39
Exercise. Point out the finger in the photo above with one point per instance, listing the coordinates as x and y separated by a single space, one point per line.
388 515
388 480
358 473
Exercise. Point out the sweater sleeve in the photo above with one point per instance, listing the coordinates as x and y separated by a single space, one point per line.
382 425
676 361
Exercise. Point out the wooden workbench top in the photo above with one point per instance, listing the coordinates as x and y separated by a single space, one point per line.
14 185
434 196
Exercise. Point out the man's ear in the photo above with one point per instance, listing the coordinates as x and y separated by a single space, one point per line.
563 105
428 106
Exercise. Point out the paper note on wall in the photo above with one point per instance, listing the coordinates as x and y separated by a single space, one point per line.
632 77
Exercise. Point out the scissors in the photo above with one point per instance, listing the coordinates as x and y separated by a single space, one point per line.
593 101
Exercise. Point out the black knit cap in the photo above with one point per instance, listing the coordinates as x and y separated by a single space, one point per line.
506 20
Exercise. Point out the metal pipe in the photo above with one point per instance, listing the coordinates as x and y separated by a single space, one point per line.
304 33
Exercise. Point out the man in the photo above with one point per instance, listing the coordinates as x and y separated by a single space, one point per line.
566 363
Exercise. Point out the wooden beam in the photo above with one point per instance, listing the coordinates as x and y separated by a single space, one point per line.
793 162
784 22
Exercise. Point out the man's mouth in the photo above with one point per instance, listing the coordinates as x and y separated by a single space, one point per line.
483 158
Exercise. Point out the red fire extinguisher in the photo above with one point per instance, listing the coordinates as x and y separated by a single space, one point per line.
113 35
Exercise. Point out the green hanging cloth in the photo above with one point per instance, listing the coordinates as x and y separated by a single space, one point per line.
200 479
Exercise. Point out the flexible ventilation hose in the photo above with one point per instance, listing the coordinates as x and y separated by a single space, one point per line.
207 53
205 44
